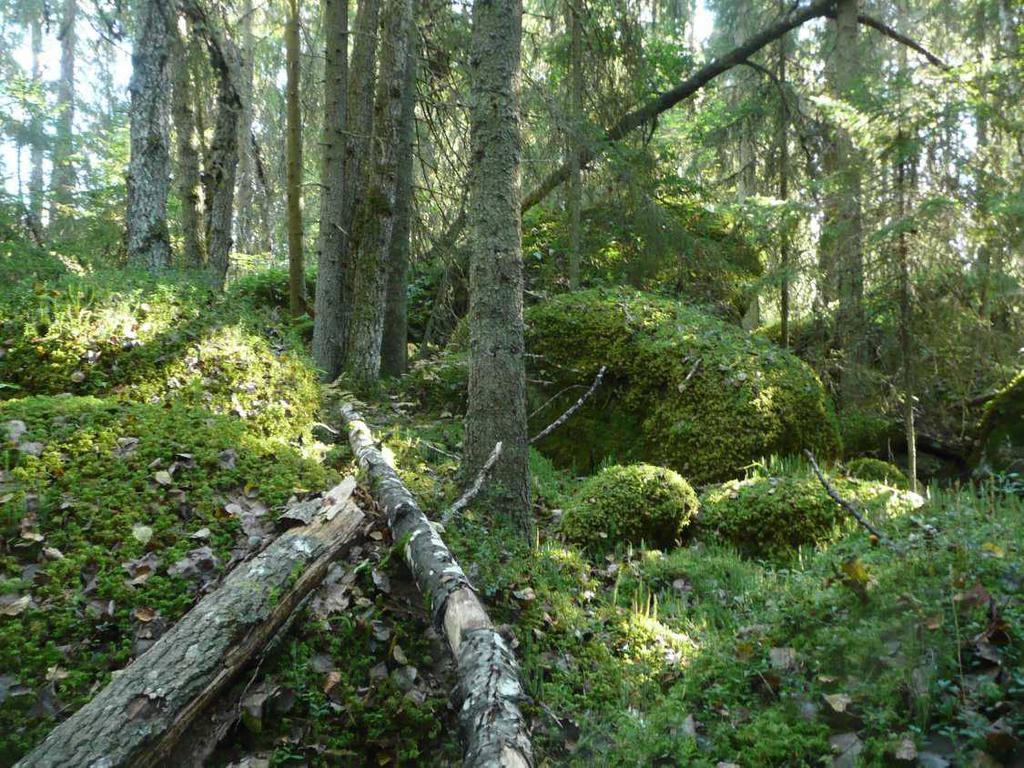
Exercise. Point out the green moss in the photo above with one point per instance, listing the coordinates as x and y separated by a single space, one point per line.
93 494
866 431
1001 436
774 516
682 389
866 468
630 504
158 339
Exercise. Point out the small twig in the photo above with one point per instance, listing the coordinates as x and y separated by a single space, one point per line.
693 370
572 409
475 488
848 506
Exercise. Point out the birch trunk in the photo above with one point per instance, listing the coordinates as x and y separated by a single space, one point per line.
493 728
328 314
149 171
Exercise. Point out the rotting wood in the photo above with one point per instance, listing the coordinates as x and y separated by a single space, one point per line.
139 718
493 726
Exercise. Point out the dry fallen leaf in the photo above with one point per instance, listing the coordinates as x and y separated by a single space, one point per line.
838 701
144 614
13 605
163 477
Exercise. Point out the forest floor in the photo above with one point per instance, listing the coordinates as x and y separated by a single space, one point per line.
152 430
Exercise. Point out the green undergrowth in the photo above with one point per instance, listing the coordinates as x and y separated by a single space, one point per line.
99 500
158 339
1001 441
698 656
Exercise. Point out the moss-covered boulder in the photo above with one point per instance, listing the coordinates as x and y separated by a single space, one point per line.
1001 437
867 468
115 514
771 516
630 504
682 389
154 339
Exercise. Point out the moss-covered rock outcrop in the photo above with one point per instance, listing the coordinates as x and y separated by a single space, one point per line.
157 339
682 389
629 505
867 468
771 516
1001 437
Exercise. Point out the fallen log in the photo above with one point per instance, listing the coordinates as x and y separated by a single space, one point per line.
493 727
139 718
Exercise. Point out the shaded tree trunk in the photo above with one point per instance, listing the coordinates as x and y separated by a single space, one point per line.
187 142
36 140
328 314
849 246
149 169
359 126
497 380
293 150
394 351
574 193
783 142
62 183
221 165
377 213
247 220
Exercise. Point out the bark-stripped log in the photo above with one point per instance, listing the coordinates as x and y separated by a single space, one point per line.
139 717
493 726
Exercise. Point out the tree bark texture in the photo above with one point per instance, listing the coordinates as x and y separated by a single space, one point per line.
493 727
187 144
376 218
62 182
248 226
138 718
497 379
149 171
293 151
35 179
359 125
328 310
574 194
394 349
783 144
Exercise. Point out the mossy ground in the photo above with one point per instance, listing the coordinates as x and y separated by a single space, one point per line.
697 655
635 656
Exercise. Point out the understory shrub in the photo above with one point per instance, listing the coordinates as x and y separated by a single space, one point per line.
630 504
1001 437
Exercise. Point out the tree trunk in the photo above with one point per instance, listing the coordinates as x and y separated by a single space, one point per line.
783 142
494 729
187 141
149 172
848 237
328 309
247 221
138 718
36 138
62 181
362 77
376 219
293 142
222 157
497 380
394 351
574 194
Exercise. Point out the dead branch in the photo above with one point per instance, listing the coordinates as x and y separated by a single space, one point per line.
845 504
474 489
572 409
